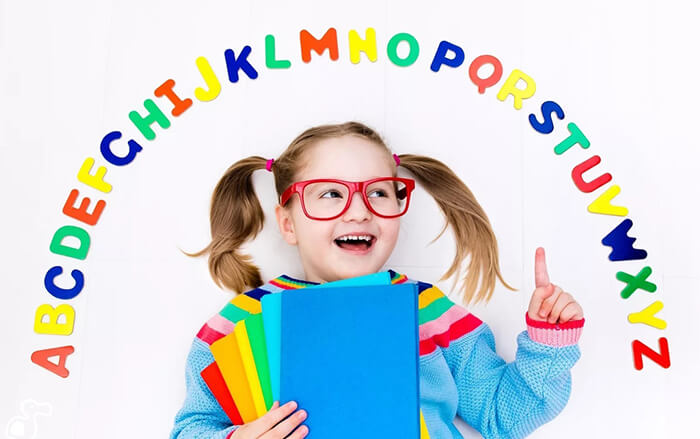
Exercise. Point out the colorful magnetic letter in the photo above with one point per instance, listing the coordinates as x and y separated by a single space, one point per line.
577 175
53 326
368 45
114 159
621 243
41 358
440 57
509 88
547 109
576 138
144 123
392 49
602 203
58 248
166 89
210 79
63 293
328 41
270 60
647 316
81 213
94 181
234 64
483 83
635 282
662 358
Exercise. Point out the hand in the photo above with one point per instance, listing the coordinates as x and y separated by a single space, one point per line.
268 426
549 303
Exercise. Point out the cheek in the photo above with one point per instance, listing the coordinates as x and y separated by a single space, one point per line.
314 233
390 231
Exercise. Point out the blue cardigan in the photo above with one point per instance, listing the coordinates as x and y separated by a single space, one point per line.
460 372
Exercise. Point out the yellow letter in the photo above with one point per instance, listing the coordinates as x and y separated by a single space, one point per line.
211 80
368 45
96 180
52 326
647 316
509 88
602 203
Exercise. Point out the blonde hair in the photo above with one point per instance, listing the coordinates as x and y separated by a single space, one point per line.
236 215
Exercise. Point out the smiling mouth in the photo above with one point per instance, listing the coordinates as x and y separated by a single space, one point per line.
355 244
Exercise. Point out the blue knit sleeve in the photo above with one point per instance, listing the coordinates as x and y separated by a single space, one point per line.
509 400
200 416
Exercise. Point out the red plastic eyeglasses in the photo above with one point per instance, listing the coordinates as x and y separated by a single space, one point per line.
394 195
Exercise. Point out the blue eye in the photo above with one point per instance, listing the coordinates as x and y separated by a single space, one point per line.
331 192
382 193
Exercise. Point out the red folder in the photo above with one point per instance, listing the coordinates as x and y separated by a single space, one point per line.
215 381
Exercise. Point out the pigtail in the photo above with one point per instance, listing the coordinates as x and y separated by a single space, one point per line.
236 216
473 233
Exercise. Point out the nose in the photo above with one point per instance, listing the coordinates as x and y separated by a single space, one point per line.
357 209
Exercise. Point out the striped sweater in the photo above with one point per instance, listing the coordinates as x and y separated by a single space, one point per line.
460 372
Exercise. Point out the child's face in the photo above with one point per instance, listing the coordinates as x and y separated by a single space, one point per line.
349 158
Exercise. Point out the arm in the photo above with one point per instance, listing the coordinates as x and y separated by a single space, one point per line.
510 400
200 416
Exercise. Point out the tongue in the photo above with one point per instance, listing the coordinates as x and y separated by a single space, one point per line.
361 245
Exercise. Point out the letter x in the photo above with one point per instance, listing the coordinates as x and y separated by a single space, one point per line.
636 282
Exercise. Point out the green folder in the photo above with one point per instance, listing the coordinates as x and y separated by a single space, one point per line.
256 337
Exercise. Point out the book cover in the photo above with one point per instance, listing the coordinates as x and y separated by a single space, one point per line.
271 311
349 356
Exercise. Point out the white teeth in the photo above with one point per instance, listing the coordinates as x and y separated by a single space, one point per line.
355 238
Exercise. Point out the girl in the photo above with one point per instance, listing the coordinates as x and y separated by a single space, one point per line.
349 227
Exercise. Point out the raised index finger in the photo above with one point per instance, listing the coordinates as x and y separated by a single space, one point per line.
541 276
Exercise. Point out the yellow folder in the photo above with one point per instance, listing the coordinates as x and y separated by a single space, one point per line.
423 428
251 372
228 357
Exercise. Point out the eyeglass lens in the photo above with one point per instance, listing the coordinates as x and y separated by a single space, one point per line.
328 199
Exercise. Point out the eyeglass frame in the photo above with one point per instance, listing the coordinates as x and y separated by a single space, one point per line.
353 186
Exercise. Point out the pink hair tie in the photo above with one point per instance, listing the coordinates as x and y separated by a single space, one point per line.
396 158
268 166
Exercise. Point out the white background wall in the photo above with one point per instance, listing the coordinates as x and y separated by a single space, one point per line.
625 72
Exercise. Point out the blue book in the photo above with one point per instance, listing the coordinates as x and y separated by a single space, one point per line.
349 357
272 309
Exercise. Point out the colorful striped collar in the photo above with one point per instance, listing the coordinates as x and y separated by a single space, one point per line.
440 320
291 283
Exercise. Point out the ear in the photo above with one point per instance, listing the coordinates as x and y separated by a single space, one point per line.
286 225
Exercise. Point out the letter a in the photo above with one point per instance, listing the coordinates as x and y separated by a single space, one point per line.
42 359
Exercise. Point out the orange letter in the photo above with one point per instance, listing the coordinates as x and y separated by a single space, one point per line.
42 359
81 213
328 41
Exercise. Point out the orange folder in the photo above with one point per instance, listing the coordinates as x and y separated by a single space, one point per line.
215 381
228 357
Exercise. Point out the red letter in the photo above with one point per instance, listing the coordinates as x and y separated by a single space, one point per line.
662 358
42 359
166 89
81 213
483 83
328 41
592 185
